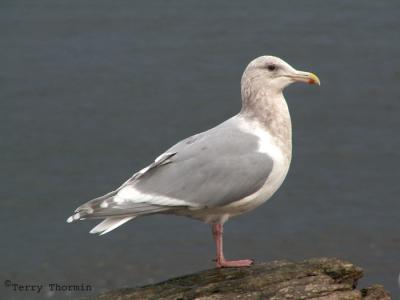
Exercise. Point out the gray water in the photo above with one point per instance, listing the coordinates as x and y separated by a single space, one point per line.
92 91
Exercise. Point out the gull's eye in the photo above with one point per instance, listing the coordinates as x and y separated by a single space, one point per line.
271 67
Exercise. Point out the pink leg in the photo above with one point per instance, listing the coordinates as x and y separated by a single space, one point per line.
217 230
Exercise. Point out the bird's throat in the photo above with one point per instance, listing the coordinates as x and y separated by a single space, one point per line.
270 110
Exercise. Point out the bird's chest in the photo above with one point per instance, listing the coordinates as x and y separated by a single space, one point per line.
270 186
281 158
274 181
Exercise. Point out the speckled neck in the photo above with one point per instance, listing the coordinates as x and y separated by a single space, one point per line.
269 109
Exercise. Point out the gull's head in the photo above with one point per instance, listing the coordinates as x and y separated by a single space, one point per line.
275 74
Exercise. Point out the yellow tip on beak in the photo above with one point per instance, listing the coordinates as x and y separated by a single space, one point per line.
313 79
310 78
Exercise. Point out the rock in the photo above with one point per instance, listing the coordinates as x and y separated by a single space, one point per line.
317 279
375 292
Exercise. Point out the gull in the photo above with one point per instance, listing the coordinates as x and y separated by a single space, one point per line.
217 174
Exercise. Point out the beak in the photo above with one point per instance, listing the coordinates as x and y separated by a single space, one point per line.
310 78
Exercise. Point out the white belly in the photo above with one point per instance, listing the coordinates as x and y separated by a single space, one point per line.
281 162
271 185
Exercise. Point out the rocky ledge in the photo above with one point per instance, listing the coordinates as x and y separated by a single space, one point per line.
317 279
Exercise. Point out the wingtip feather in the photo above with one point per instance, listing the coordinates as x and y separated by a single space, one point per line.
109 224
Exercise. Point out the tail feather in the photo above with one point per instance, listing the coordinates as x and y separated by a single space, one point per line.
133 210
109 224
113 211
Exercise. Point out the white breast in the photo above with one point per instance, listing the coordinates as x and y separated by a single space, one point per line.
269 146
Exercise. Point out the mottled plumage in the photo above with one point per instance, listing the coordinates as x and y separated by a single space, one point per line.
217 174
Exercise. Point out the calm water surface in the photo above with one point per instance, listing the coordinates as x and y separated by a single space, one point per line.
92 91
